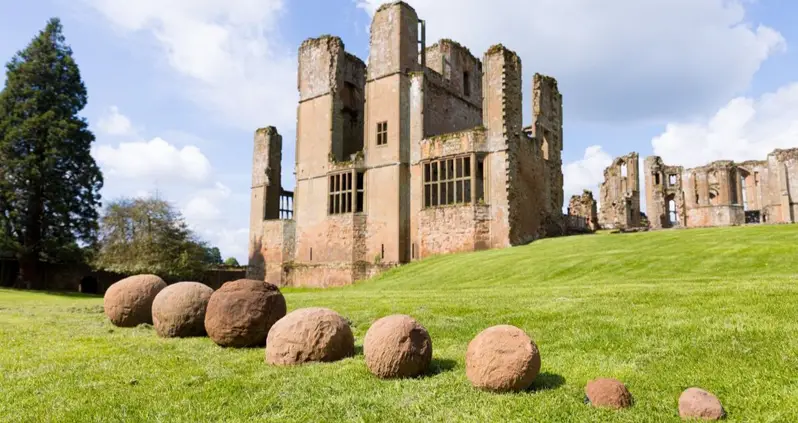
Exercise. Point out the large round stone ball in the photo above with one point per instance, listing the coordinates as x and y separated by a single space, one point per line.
179 310
128 303
502 358
241 313
309 335
609 393
696 403
397 346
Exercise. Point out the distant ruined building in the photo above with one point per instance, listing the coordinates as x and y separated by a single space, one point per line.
620 194
584 206
723 192
422 152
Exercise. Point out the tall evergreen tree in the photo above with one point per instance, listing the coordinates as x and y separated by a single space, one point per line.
49 182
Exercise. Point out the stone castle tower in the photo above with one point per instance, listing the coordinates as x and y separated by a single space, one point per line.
422 152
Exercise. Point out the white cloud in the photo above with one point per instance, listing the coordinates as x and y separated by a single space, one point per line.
153 160
115 123
744 129
229 52
586 173
616 59
204 206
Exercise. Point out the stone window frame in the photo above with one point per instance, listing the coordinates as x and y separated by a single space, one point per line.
382 133
455 179
346 192
672 179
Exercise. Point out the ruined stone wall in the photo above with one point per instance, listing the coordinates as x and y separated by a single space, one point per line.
711 195
446 110
451 229
783 166
453 89
265 192
585 206
665 206
277 249
547 128
723 192
620 194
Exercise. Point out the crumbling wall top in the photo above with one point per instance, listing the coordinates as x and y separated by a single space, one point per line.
269 130
392 4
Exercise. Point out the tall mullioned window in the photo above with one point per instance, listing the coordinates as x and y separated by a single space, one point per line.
382 133
346 193
448 181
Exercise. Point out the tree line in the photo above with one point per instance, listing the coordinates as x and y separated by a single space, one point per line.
50 203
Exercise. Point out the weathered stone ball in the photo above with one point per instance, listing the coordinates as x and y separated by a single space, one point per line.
696 403
502 358
309 335
179 310
610 393
397 346
128 303
241 313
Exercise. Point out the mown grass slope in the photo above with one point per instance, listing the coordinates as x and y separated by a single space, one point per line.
661 311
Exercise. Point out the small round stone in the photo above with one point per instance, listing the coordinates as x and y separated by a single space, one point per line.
241 313
502 358
128 303
396 347
609 393
179 310
309 335
696 403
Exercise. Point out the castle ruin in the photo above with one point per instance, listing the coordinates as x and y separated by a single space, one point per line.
620 194
422 152
723 192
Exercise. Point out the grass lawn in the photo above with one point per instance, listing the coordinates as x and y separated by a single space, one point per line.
661 311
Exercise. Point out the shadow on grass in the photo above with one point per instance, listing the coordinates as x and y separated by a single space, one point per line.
438 366
546 381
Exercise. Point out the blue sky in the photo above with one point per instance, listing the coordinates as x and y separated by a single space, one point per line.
177 88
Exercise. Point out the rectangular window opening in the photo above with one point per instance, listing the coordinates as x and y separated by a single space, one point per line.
466 84
656 179
447 181
672 179
382 133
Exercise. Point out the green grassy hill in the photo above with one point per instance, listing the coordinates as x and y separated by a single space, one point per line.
661 311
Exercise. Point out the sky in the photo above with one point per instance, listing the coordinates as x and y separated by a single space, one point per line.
178 87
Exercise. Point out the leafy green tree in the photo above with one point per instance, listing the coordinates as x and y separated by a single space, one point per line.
149 236
213 256
49 182
232 262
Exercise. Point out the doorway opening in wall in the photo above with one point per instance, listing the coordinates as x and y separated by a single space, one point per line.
311 253
672 216
413 250
382 251
89 285
753 216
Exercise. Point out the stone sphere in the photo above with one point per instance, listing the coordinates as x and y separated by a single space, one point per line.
608 393
397 346
696 403
179 310
309 335
502 358
128 303
241 313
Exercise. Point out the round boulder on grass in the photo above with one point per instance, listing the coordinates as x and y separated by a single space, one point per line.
179 310
502 358
128 303
241 313
696 403
309 335
397 346
608 393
